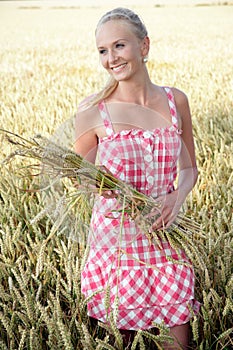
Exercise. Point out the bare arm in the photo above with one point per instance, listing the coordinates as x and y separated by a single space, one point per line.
171 203
86 140
188 172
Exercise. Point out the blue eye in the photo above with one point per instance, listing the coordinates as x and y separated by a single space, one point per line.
103 51
119 45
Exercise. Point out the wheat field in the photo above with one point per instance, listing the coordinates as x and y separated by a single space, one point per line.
48 64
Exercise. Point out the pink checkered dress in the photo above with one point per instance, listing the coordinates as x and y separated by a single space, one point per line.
124 276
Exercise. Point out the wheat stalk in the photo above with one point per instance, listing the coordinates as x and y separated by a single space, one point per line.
61 162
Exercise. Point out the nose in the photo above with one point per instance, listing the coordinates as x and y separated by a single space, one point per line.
112 57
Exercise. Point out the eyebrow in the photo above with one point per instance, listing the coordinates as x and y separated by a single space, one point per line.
116 41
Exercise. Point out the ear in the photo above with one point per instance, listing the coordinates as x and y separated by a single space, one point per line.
145 46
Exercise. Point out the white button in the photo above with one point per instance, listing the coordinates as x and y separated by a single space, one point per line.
150 179
146 134
148 158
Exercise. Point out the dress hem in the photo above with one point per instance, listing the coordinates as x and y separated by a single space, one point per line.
147 318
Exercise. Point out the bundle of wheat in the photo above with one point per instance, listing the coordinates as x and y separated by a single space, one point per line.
62 162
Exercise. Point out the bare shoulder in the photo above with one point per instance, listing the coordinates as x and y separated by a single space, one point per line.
84 112
86 119
182 104
180 97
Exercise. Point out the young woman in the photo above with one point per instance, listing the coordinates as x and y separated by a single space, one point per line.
142 132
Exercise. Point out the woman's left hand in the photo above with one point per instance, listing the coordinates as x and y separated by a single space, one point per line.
170 207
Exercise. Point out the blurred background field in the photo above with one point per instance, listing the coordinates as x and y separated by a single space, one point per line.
48 64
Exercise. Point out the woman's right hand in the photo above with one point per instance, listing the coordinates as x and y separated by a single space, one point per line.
107 193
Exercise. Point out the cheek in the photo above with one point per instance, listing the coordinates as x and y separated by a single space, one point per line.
132 54
127 53
103 61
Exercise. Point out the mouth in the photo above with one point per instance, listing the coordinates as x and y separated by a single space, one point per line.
118 68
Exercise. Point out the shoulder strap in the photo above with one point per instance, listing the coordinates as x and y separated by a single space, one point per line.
172 106
106 118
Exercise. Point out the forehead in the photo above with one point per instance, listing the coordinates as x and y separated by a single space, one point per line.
114 30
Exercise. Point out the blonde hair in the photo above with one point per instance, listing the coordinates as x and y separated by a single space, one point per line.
119 13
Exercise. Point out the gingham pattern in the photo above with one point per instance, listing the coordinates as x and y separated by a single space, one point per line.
147 286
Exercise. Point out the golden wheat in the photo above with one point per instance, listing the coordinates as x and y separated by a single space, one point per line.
44 74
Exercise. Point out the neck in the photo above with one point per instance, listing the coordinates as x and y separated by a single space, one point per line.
136 91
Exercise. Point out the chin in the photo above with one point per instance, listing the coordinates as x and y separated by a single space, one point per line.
121 77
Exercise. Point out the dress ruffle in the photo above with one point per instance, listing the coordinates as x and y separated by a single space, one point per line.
146 286
146 318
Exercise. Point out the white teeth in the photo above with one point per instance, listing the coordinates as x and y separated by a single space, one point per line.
119 67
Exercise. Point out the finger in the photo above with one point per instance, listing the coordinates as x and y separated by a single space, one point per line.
161 221
159 199
171 220
164 223
158 224
154 212
110 194
107 194
168 224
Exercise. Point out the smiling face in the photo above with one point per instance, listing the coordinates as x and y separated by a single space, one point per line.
121 51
